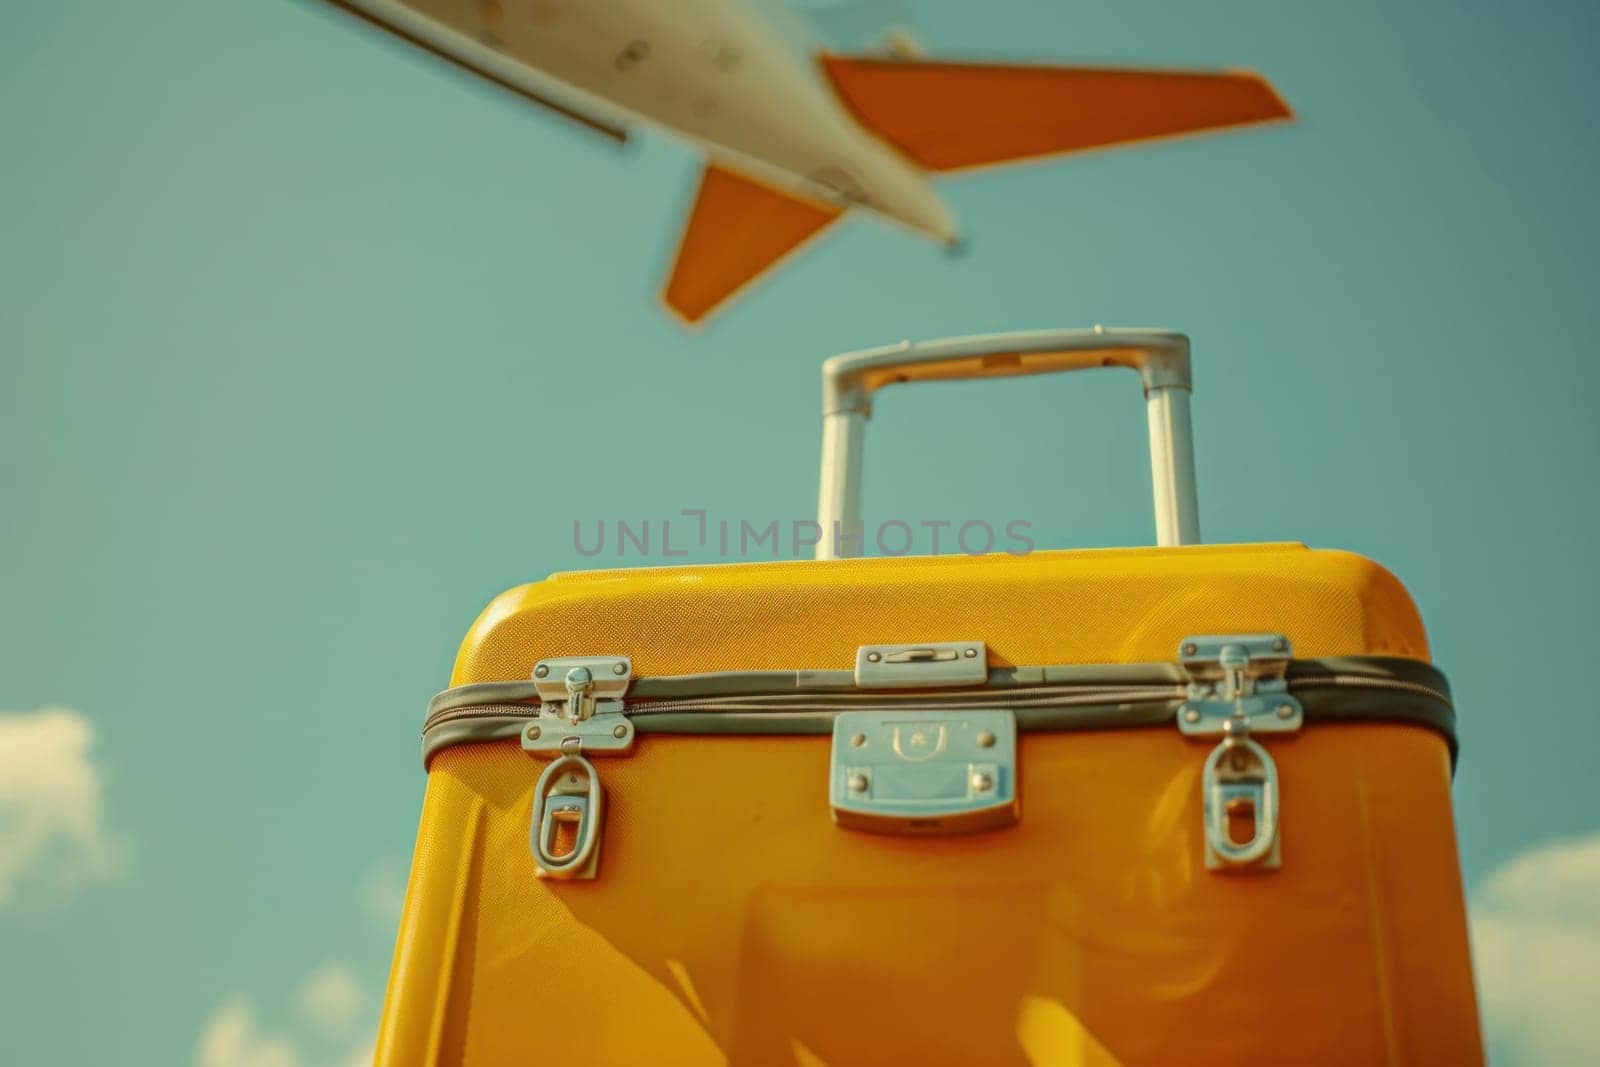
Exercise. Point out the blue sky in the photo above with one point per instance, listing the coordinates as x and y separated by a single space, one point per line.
309 346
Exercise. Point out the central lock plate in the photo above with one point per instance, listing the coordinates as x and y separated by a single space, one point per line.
924 771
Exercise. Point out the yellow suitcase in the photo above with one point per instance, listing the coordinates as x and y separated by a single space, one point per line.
1187 804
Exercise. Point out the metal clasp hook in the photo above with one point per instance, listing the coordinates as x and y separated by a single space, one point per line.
567 795
1240 778
580 683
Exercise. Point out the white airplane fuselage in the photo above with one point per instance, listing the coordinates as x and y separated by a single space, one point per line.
718 73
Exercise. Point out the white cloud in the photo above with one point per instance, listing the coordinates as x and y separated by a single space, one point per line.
1536 950
50 799
332 999
230 1039
334 1005
335 1012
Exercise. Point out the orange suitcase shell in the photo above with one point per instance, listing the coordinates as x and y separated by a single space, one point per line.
759 894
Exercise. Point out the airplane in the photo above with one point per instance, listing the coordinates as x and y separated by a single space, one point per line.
795 136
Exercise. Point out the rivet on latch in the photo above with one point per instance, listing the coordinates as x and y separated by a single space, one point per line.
982 782
1191 714
858 783
533 733
986 738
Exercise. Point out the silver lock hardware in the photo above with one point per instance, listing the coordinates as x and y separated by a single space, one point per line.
1238 689
567 797
580 714
924 771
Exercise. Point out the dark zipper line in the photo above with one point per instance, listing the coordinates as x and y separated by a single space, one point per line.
1021 697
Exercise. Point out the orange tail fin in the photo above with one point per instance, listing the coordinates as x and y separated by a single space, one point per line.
949 116
737 229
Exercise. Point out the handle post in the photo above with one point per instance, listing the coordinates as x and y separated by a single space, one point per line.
839 503
1160 357
1172 466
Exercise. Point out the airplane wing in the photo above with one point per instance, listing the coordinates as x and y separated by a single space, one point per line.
440 35
737 230
954 116
945 117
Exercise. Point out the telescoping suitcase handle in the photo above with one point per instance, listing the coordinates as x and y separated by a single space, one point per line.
1160 356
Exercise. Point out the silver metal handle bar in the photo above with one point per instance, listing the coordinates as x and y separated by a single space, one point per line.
1161 357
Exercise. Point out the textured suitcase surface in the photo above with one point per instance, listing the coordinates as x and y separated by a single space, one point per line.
732 920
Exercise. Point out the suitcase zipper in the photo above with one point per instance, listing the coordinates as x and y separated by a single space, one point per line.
1392 685
824 707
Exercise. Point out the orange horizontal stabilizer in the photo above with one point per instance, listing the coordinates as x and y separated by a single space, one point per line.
946 116
737 229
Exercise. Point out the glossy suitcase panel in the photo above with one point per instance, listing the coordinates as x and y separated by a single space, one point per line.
732 921
1101 606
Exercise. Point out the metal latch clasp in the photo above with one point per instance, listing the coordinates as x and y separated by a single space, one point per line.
1238 677
1238 687
582 685
925 771
1240 780
567 815
580 714
935 664
581 701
